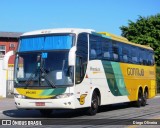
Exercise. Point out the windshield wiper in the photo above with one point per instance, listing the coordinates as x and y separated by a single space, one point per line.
49 82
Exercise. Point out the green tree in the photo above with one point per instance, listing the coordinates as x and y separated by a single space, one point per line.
145 31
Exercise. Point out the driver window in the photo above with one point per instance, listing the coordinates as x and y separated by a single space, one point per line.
81 56
78 69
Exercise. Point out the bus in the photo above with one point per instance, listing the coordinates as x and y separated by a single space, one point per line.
71 68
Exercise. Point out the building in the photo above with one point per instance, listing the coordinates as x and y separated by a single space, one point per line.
8 42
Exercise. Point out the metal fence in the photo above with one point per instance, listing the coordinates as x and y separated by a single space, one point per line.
10 88
158 79
158 88
10 82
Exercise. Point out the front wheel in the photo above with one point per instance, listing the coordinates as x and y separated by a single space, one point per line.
94 105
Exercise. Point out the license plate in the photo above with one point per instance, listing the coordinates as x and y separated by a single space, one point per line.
40 103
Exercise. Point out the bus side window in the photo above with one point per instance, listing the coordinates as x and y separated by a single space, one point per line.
141 56
106 45
95 43
145 56
134 56
151 58
99 49
93 54
92 51
115 50
124 55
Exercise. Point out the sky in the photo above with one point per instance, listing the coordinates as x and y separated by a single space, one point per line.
100 15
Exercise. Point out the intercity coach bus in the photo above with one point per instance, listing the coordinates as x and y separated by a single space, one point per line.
81 68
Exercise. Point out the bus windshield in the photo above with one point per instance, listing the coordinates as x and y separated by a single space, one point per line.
43 61
43 69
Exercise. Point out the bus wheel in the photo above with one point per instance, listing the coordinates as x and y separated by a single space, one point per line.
94 105
46 112
144 100
140 98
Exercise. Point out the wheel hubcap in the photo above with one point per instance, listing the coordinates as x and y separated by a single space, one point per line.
94 103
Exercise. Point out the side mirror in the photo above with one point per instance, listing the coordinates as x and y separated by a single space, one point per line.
72 56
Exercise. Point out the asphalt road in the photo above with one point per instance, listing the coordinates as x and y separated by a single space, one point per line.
114 115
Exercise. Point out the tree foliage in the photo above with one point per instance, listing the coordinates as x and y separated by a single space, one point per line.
145 31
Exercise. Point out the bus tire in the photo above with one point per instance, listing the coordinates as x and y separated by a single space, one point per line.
94 105
144 100
46 112
138 103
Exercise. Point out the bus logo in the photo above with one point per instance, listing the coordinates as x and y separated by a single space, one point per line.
30 92
82 99
135 72
94 69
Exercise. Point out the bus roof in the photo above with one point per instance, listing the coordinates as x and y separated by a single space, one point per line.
124 40
78 30
58 30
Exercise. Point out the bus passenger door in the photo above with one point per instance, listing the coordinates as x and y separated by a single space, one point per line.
81 82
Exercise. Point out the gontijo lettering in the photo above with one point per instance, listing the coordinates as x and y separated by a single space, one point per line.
135 72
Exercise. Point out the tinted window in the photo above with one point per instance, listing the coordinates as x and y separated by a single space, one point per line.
100 48
116 52
134 55
95 47
125 54
106 49
82 56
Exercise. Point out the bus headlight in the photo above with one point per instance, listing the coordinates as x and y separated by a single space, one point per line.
19 96
65 95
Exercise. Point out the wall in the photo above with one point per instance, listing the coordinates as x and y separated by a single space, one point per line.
6 76
2 80
7 42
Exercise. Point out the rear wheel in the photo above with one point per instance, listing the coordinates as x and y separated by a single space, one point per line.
46 112
144 100
94 104
138 103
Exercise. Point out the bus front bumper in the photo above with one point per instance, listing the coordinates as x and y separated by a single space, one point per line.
63 103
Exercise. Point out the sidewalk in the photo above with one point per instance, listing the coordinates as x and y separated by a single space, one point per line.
158 95
7 103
